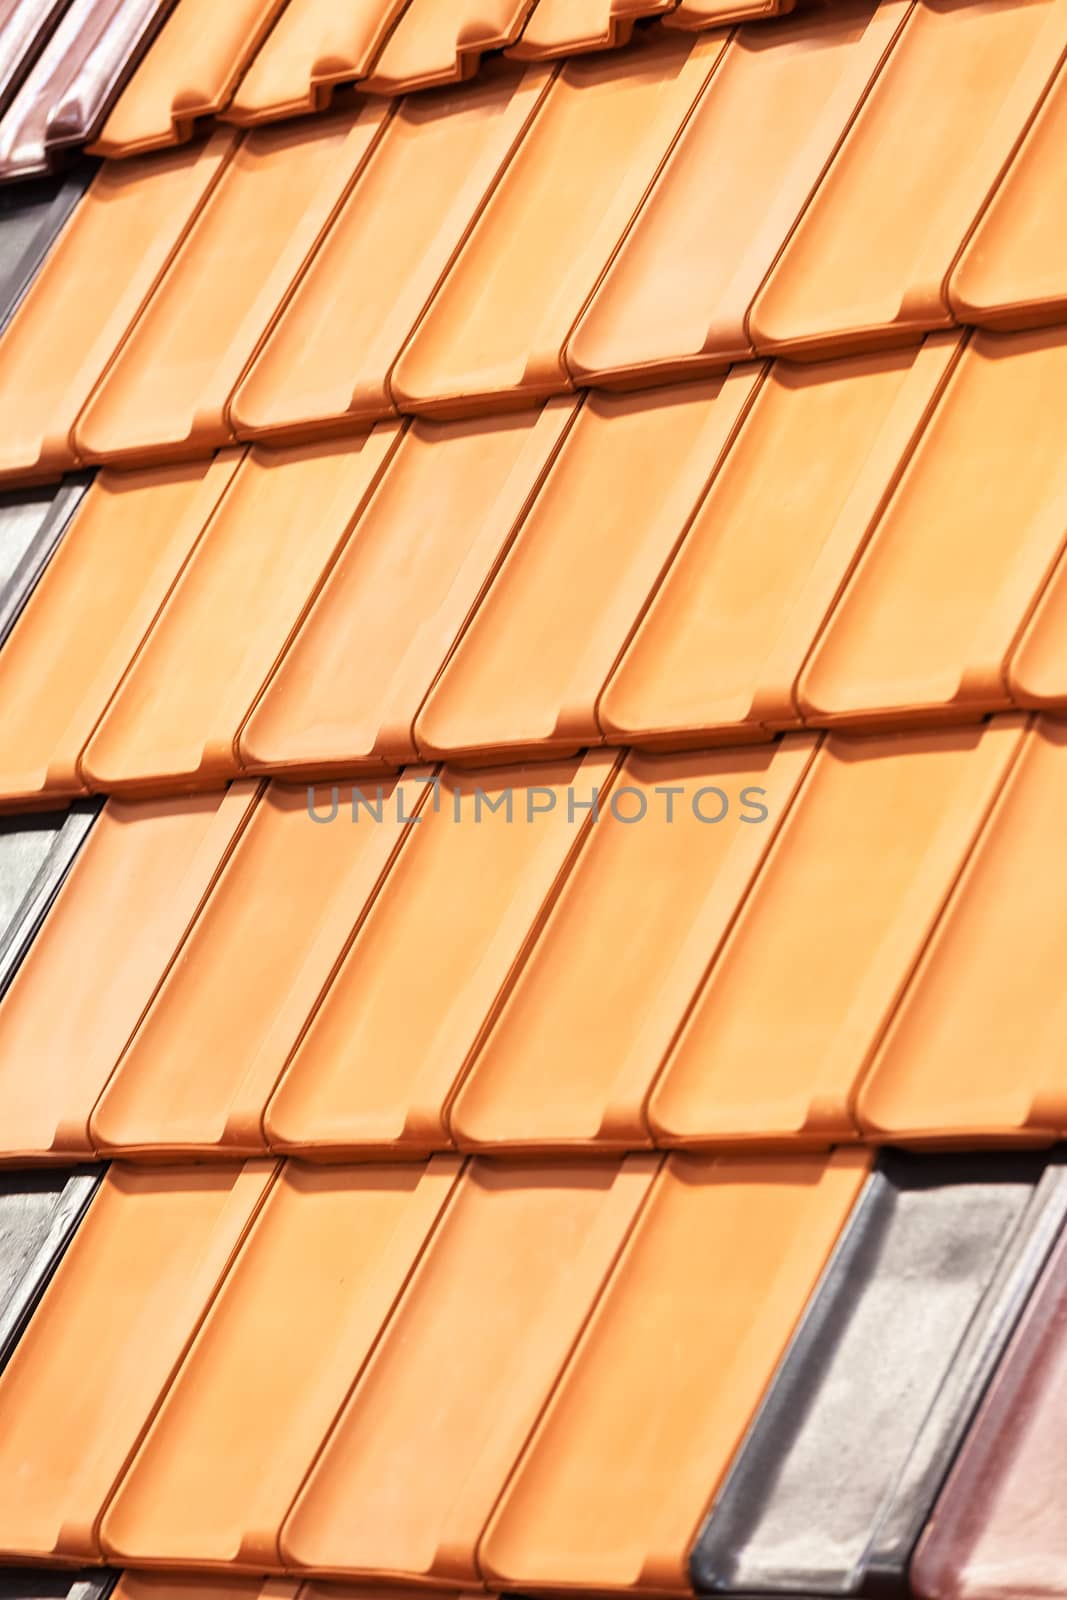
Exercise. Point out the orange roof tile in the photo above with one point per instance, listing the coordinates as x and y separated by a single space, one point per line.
813 966
869 261
189 72
113 1325
78 310
719 651
530 668
213 1043
496 330
168 390
175 1586
256 1395
329 361
929 619
1037 673
438 41
432 962
174 722
714 13
401 595
676 297
315 45
702 1302
422 1450
85 983
89 615
1013 273
568 27
591 1017
973 1055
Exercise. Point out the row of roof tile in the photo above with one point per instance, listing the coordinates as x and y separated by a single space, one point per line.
792 943
293 611
439 1399
65 63
437 255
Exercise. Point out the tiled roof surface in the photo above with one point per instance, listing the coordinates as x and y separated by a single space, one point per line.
533 754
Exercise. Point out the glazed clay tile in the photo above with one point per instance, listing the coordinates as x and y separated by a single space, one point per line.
422 1450
719 651
174 721
869 261
440 41
190 72
400 621
177 1586
89 291
105 1342
497 327
596 1006
715 1273
998 1528
1013 273
675 298
168 391
25 25
913 1314
409 1005
258 1391
69 89
1037 673
814 965
89 615
210 1049
972 1056
568 27
314 46
929 620
535 658
80 992
328 362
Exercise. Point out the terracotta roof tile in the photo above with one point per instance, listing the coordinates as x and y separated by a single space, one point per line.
400 621
676 297
1037 673
591 1017
36 853
716 1272
1013 273
913 1314
39 1215
90 289
329 361
720 649
172 1586
998 1529
167 392
972 1055
811 971
415 994
190 72
114 1323
569 27
175 719
200 1068
257 1393
438 1417
927 624
315 45
495 331
31 216
32 522
530 668
68 90
696 14
869 262
438 41
66 656
79 994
